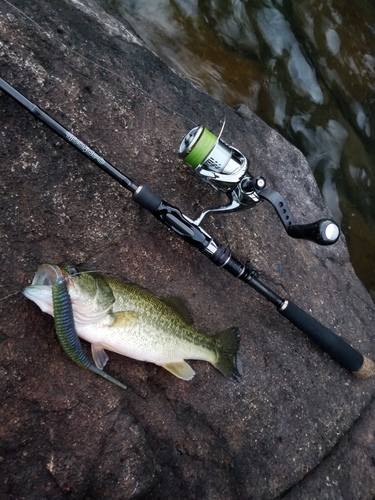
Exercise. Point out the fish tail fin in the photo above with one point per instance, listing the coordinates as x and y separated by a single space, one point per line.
228 363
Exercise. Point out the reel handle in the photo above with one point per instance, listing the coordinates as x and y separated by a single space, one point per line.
322 232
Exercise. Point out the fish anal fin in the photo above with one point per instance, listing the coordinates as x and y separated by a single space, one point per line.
99 355
179 307
180 369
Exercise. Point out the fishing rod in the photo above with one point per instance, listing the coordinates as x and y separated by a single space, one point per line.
226 169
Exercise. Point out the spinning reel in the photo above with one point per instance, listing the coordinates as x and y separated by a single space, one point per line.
226 169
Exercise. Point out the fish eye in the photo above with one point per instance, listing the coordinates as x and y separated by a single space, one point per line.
72 271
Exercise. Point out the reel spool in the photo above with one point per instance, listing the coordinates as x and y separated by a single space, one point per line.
218 164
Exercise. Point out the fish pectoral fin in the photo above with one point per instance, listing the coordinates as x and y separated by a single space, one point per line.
124 318
180 369
121 319
99 355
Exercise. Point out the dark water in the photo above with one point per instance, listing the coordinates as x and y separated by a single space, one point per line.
306 67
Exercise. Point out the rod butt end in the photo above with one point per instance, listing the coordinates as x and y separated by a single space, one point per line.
367 370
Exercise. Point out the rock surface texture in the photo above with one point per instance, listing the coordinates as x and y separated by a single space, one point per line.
298 425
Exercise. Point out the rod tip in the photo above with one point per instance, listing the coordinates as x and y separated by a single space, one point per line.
367 370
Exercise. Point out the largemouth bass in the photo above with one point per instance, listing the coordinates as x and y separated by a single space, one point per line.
129 320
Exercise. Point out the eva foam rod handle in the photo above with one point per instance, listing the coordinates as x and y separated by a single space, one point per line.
328 341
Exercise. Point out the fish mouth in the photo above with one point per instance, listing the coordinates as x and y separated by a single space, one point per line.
46 275
41 287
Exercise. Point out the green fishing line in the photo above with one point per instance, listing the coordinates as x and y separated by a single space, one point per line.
201 149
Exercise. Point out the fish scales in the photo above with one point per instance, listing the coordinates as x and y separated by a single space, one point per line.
157 314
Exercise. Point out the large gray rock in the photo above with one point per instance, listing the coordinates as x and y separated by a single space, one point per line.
298 425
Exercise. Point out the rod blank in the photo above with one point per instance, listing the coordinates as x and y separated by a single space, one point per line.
69 137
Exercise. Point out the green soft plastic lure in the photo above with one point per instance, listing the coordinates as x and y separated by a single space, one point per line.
66 331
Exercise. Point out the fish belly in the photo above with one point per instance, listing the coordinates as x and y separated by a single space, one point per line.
146 342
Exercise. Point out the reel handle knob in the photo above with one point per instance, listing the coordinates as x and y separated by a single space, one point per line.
322 232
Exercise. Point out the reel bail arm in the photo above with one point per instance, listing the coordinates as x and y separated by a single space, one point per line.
226 169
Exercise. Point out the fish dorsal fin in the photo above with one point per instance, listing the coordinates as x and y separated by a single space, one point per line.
180 369
179 307
99 355
141 288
